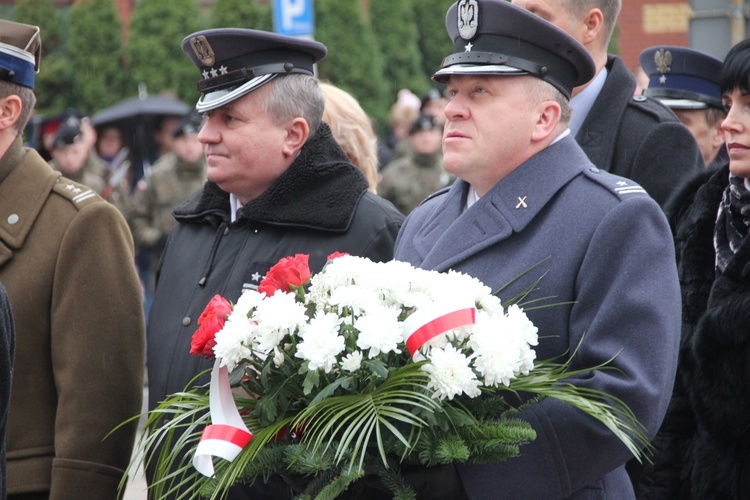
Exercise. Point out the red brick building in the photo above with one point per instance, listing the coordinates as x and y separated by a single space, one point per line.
644 23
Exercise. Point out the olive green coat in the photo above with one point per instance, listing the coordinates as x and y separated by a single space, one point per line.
66 259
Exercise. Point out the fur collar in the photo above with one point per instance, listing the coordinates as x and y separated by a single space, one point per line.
319 190
693 215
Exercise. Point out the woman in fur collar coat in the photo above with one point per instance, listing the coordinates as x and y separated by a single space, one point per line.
703 447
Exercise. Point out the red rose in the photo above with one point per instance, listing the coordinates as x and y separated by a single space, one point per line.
211 320
336 255
287 273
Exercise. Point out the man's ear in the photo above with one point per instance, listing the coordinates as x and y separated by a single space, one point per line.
717 138
547 120
592 26
296 135
10 111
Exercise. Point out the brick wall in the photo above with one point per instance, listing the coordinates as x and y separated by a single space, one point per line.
644 23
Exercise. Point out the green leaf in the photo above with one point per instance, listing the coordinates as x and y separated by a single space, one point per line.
331 388
312 379
377 367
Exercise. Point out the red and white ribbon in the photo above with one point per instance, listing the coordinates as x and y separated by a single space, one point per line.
227 434
425 324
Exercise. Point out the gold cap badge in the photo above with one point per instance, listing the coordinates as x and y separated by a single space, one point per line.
203 50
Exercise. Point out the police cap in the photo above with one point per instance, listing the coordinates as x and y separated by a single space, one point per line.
234 62
20 51
494 37
682 78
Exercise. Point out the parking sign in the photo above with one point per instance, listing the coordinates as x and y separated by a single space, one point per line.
293 17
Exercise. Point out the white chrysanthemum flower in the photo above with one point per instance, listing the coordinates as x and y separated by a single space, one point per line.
278 357
352 361
358 299
233 342
277 316
450 374
501 344
248 301
518 321
379 331
321 342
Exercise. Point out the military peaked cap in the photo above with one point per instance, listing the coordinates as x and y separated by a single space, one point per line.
682 78
20 51
234 61
494 37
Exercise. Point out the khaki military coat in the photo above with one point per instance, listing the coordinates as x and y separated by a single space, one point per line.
66 259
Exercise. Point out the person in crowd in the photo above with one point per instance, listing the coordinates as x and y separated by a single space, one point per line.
629 135
687 81
7 353
531 212
703 447
172 180
118 172
109 143
402 114
73 156
67 264
278 184
353 130
433 103
411 178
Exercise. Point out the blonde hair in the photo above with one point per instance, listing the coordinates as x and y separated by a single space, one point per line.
352 129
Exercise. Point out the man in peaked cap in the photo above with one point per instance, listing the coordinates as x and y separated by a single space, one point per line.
278 184
687 81
633 136
66 260
593 246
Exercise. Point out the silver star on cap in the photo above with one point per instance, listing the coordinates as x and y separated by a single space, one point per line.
222 70
468 47
663 79
214 72
205 74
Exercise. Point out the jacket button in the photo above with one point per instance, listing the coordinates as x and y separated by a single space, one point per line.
226 231
13 218
186 321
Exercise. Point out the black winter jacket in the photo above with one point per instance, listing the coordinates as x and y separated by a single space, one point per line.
703 447
318 206
638 137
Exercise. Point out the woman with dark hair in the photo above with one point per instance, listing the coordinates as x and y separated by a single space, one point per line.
703 447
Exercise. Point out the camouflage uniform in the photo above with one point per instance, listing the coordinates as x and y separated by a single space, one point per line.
411 178
170 183
91 175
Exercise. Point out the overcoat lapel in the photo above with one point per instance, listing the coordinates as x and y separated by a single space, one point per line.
598 134
451 234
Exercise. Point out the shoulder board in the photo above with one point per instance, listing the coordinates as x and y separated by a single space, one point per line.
437 193
619 186
652 107
77 193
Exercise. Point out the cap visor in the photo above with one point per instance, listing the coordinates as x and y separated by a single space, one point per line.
219 98
683 104
476 69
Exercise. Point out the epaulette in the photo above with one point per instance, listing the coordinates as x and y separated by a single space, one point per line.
77 193
437 193
652 107
619 186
